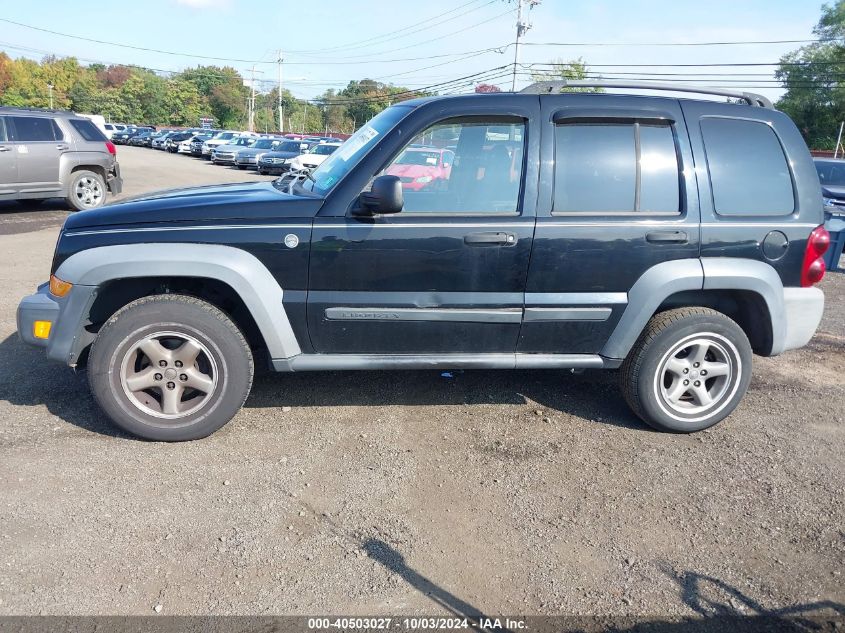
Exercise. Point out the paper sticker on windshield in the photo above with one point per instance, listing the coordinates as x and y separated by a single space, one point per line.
364 136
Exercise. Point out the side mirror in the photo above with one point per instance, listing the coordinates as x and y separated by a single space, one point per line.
384 197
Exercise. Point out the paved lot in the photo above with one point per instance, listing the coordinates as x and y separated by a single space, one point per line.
504 492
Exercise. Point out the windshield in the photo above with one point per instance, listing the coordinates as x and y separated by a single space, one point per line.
225 136
323 150
418 157
289 146
831 173
341 162
264 143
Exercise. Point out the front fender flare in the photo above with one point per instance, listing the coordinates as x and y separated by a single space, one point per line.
238 269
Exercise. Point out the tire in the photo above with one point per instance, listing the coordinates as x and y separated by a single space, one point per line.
216 368
676 346
87 190
261 172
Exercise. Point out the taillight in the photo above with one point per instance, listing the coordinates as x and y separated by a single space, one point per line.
813 268
112 149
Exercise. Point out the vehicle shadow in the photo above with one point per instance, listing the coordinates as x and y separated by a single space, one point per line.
27 378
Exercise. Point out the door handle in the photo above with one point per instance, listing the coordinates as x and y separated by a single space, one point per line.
490 238
62 147
3 148
667 237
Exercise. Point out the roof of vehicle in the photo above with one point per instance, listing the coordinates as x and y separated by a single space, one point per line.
828 159
65 113
509 96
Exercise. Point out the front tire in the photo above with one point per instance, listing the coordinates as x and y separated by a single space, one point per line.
87 190
688 370
170 368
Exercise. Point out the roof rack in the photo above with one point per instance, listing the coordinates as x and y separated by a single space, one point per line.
542 87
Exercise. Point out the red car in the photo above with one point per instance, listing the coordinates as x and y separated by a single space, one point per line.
423 167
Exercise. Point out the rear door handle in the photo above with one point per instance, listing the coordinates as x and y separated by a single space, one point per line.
490 238
3 148
667 237
62 146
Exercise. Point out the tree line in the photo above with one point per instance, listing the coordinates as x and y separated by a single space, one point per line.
131 94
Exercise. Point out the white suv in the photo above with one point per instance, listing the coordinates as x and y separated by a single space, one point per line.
222 138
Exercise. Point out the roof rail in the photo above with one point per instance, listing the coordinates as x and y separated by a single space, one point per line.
542 87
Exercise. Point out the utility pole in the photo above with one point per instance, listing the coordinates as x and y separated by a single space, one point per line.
521 28
252 101
281 107
50 88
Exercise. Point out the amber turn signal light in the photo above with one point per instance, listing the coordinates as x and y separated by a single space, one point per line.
58 287
41 329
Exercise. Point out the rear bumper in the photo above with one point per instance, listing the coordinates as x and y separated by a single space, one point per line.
115 181
66 314
803 309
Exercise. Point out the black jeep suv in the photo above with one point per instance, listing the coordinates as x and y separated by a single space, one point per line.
669 237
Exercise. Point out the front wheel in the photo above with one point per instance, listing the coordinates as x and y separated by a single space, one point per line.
689 370
170 368
87 190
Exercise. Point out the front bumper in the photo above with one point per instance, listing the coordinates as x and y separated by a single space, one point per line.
803 309
68 336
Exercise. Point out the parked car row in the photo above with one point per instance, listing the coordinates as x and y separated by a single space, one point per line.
267 154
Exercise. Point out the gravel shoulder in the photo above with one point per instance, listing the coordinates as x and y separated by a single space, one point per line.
530 492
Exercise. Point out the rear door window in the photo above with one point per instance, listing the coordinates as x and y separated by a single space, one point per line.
749 174
607 167
32 129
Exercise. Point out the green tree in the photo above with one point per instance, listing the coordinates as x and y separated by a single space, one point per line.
560 69
815 90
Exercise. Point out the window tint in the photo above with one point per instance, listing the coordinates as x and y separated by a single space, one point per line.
595 168
3 136
31 128
481 172
616 167
748 170
660 190
87 130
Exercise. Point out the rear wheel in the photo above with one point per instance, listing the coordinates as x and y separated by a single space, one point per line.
87 190
170 368
689 369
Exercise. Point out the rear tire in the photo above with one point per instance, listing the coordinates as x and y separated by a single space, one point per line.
688 370
170 368
87 190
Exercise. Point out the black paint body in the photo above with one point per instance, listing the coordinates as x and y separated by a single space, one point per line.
421 260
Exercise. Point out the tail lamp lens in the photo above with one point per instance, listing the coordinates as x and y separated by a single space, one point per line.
813 268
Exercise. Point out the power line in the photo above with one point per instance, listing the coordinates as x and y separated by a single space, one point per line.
398 33
722 43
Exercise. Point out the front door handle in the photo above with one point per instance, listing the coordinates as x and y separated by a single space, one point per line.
667 237
3 148
490 238
62 147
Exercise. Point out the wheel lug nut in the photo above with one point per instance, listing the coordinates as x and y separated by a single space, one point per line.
183 377
686 371
171 385
697 383
696 364
686 382
162 363
703 372
158 376
178 363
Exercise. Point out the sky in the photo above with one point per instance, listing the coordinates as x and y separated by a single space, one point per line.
326 43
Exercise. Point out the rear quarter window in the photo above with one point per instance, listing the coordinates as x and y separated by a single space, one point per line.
87 130
749 174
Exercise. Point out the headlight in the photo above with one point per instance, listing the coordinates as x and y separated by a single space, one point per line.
423 179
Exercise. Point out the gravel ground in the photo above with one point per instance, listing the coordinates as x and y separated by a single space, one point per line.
530 492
